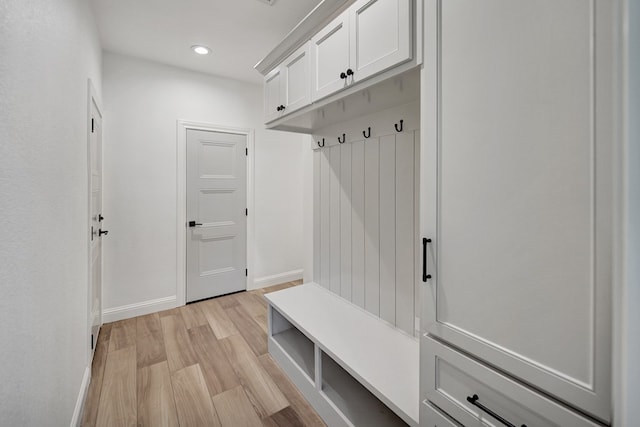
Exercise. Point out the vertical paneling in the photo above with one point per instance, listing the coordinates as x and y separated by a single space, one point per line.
357 223
366 224
345 221
388 228
405 234
316 215
325 219
372 226
335 217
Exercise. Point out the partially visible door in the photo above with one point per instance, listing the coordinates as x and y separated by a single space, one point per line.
216 213
96 218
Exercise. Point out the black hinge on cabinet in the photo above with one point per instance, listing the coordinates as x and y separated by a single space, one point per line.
91 341
246 151
246 211
92 120
246 272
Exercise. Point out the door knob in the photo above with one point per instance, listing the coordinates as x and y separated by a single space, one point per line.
193 223
101 232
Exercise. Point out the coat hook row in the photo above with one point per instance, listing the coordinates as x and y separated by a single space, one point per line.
401 126
321 145
344 139
367 133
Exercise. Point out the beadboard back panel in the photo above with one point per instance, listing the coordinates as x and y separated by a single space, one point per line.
366 221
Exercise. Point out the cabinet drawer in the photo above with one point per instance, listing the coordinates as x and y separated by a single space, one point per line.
453 379
433 417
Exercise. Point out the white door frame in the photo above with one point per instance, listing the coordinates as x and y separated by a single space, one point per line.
92 98
181 179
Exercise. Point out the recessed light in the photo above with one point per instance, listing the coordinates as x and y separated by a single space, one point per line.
200 50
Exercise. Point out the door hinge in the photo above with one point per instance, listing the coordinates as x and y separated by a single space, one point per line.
246 211
91 341
246 151
246 272
92 124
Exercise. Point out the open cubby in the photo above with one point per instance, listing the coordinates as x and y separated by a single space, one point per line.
356 403
294 343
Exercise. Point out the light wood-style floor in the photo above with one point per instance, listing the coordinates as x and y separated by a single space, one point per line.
204 364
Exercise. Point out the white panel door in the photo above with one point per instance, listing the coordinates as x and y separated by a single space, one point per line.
273 95
297 80
380 36
330 57
96 218
216 214
517 190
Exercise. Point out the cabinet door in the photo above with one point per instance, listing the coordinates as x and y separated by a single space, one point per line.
330 57
273 91
517 189
380 36
297 81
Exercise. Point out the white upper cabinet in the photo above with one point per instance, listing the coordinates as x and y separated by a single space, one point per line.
273 95
517 190
380 36
368 38
287 88
297 81
330 57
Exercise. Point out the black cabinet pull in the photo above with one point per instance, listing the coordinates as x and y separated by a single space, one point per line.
349 72
367 133
101 232
282 107
343 140
474 401
193 223
425 275
321 145
278 108
343 75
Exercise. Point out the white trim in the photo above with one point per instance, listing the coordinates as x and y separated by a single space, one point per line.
92 98
276 279
76 418
181 200
138 309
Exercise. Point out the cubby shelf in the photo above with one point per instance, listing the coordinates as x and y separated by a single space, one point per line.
353 368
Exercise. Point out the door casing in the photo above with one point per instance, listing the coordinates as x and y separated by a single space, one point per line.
181 180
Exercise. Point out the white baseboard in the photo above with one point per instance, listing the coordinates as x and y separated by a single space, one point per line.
276 279
138 309
76 419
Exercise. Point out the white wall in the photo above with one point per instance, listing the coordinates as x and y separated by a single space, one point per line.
142 102
48 50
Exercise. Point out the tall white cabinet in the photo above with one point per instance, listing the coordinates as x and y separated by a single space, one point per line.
516 197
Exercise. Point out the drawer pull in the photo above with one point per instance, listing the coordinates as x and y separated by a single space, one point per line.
474 401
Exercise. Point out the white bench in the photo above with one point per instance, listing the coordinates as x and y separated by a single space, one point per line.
354 369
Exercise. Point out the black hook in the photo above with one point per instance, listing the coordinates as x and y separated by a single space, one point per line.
364 133
344 139
321 145
401 126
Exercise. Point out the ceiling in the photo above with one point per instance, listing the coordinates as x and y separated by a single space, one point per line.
239 32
